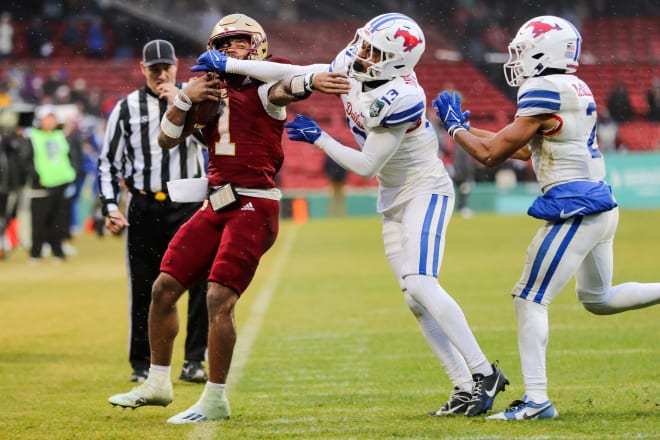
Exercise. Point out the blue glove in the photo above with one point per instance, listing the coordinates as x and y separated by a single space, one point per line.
211 61
466 123
303 129
449 111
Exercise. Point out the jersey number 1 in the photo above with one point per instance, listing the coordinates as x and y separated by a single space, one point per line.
224 146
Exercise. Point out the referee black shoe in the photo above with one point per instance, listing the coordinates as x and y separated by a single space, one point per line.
193 371
139 375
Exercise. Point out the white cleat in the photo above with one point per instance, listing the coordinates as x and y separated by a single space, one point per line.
147 394
522 410
202 413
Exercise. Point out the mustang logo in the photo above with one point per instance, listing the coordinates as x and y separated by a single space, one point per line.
409 40
541 28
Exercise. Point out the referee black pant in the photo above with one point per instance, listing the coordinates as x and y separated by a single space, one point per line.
153 223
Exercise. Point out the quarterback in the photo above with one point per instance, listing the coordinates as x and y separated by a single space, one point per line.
556 116
237 223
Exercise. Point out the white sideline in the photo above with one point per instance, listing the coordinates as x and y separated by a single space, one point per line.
248 332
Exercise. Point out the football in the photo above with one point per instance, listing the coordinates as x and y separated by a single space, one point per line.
201 113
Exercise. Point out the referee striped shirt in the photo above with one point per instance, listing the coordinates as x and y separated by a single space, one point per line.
131 151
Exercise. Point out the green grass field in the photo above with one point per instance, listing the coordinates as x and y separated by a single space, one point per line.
327 348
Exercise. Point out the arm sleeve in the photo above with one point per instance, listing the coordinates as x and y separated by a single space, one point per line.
268 71
380 145
275 111
109 163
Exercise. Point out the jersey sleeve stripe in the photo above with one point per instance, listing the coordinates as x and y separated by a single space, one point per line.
540 99
545 94
554 106
408 115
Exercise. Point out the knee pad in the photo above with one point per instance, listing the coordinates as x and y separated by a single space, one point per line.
417 284
594 303
598 308
413 305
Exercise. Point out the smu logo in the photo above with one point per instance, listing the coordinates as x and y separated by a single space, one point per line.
539 28
409 40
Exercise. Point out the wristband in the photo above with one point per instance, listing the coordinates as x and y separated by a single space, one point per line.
169 129
455 129
181 105
308 82
185 97
298 87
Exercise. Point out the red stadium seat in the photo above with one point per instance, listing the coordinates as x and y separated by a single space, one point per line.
640 135
630 53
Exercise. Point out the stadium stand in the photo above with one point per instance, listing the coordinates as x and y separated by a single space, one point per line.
631 53
640 136
629 39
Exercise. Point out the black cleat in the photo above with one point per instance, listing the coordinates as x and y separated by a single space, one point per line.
485 390
458 403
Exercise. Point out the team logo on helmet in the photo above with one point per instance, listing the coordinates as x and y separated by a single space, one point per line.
539 28
409 40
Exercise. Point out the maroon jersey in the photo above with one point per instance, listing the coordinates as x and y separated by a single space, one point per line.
245 145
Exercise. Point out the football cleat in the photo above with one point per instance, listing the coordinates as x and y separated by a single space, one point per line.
521 410
191 415
147 394
203 412
457 404
485 390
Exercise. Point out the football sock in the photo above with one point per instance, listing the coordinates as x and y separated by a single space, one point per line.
452 361
213 403
532 343
450 318
626 296
160 372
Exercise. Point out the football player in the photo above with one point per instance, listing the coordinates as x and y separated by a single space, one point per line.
236 224
385 110
556 116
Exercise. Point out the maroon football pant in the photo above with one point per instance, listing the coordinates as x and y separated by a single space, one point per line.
228 244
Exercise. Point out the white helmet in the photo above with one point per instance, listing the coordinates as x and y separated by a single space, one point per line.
400 41
545 42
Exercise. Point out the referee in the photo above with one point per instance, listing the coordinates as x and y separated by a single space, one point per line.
132 159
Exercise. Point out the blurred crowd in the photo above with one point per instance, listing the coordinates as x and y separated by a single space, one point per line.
37 31
23 180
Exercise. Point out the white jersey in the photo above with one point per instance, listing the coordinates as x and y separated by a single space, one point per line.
569 151
415 167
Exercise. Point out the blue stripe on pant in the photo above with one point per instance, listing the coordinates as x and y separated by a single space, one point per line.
435 235
556 259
